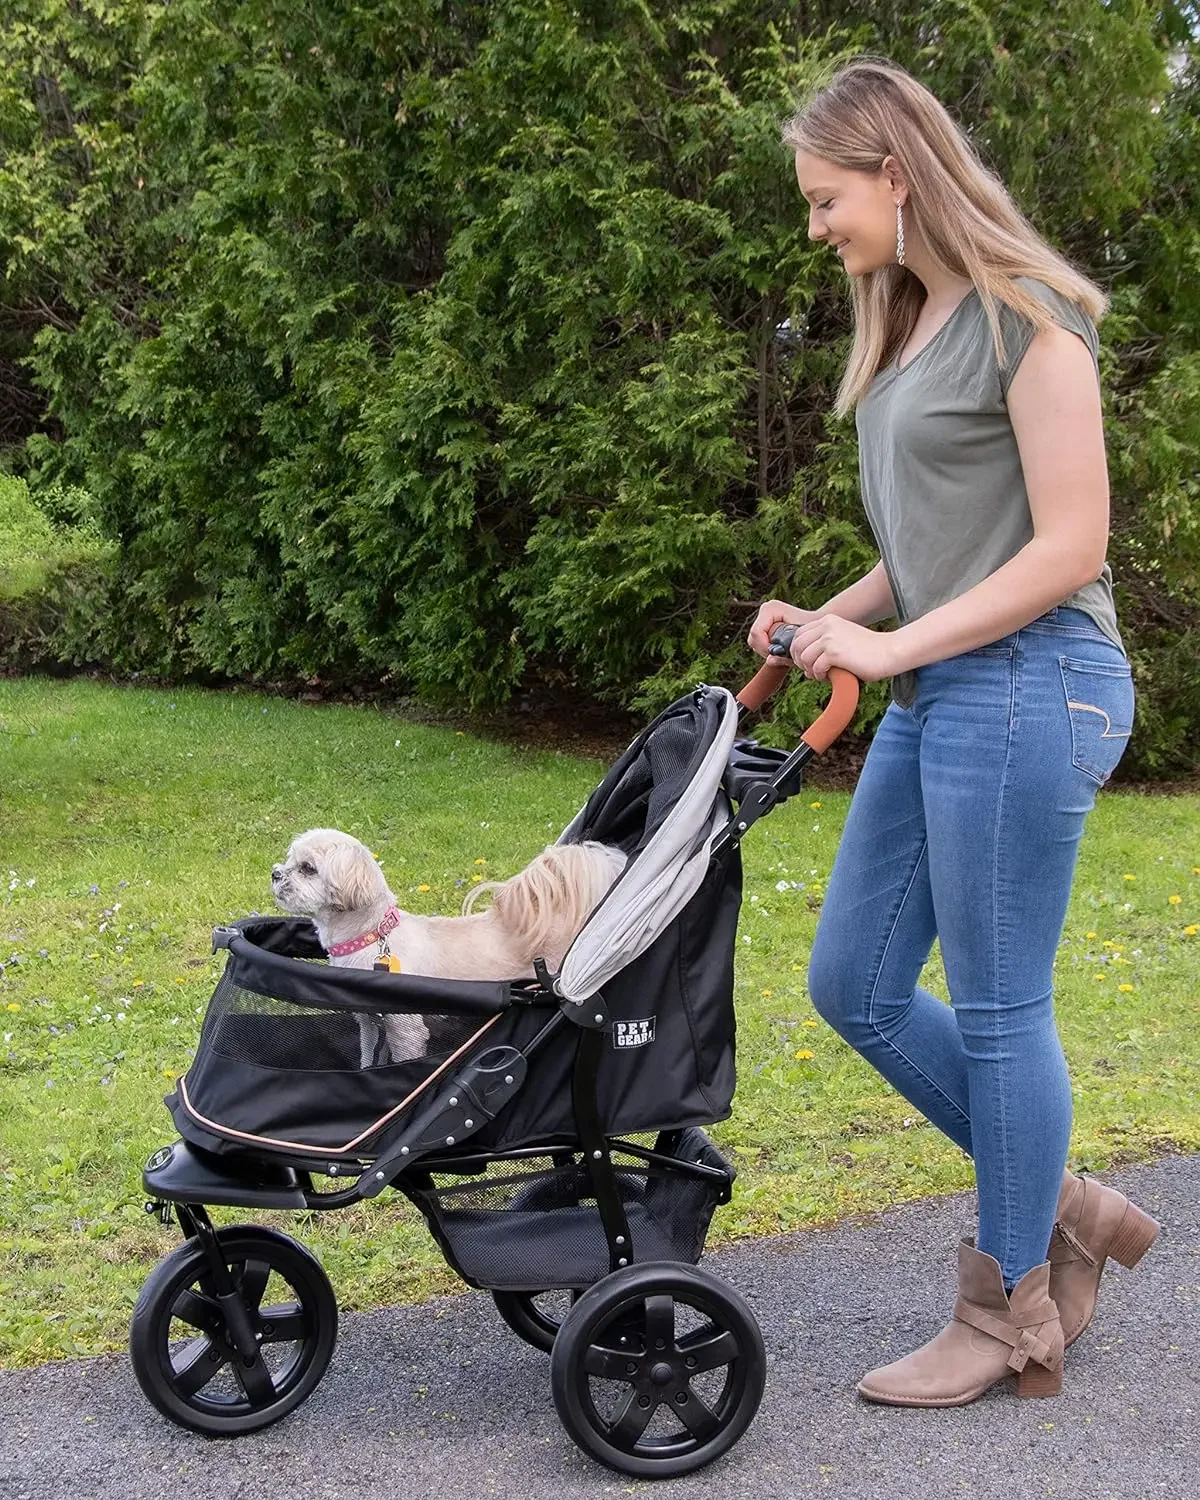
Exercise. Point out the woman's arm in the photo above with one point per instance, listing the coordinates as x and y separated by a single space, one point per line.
1054 404
866 601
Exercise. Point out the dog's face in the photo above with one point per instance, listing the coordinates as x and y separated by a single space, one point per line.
327 871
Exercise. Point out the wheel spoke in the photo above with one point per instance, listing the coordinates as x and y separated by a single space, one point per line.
254 1379
252 1283
287 1320
194 1367
607 1364
709 1352
660 1322
198 1311
631 1421
696 1416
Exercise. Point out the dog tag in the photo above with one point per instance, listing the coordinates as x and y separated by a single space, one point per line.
388 962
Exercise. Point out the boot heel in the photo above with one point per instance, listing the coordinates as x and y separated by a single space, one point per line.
1135 1234
1036 1380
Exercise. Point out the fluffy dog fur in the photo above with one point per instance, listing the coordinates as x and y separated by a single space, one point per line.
333 878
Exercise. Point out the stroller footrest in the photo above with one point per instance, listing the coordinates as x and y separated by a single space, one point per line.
182 1174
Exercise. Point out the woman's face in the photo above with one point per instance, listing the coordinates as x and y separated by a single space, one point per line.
854 210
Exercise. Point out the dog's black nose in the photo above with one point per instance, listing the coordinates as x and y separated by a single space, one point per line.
276 874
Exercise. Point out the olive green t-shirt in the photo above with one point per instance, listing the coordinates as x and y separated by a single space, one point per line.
940 470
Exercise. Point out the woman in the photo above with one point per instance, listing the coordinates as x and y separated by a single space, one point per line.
975 382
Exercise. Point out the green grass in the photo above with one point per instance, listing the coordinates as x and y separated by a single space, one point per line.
132 820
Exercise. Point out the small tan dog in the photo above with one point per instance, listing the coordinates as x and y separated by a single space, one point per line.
333 878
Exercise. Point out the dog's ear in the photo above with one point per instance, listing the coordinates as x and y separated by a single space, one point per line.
353 880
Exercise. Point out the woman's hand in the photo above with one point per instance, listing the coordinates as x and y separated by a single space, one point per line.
830 641
775 612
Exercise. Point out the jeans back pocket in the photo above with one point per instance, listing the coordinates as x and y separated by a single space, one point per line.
1100 706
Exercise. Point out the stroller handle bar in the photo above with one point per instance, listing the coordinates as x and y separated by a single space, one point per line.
838 711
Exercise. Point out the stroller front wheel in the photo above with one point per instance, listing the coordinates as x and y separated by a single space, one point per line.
187 1362
658 1369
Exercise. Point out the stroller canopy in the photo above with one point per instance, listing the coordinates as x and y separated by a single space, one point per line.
662 803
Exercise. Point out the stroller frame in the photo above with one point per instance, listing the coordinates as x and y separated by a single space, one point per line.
210 1276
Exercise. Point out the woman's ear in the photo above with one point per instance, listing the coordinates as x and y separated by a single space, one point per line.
897 182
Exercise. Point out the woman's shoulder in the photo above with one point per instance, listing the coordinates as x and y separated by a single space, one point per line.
1062 308
1018 328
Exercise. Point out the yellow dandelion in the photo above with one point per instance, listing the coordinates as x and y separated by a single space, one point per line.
424 888
180 979
795 968
1097 976
1174 900
766 994
170 1073
481 861
476 877
460 732
804 1054
14 1005
1109 944
1130 877
1091 934
138 983
1196 869
810 1023
1126 989
93 955
1191 931
814 804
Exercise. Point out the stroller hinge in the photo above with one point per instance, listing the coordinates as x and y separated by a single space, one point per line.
473 1097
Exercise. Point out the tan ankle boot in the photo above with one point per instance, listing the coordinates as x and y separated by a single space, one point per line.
1092 1223
990 1337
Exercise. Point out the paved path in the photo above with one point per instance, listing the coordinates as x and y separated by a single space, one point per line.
442 1402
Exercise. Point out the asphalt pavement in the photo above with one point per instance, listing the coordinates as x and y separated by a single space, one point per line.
442 1401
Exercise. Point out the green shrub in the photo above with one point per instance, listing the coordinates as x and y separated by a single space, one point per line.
442 347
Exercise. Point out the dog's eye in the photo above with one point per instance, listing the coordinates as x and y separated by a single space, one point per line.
307 869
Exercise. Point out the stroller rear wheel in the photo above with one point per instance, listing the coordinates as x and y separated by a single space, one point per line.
536 1321
658 1369
184 1356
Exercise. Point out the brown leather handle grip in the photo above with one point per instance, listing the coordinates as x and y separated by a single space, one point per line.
838 711
764 682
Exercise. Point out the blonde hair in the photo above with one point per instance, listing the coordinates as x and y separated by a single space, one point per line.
872 108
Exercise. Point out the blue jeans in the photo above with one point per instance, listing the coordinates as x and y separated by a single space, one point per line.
965 825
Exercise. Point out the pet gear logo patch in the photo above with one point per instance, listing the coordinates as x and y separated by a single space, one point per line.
633 1033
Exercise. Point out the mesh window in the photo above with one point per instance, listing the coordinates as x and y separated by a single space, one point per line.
266 1032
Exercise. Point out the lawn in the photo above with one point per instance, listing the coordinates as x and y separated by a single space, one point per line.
133 819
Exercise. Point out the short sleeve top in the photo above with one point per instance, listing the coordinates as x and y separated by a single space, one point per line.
939 466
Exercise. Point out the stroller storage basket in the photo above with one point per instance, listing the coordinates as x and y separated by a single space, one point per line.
534 1224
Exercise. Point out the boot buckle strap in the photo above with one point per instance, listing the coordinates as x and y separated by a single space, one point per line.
1025 1344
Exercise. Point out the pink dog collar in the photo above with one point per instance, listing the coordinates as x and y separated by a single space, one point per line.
390 919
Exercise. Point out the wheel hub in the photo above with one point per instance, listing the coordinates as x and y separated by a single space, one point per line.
662 1373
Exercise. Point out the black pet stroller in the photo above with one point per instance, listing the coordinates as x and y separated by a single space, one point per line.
509 1132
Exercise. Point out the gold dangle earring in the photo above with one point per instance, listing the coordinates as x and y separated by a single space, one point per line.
899 235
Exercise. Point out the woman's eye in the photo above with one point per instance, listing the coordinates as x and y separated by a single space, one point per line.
827 204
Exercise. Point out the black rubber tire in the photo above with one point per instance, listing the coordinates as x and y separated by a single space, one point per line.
181 1287
527 1320
658 1374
